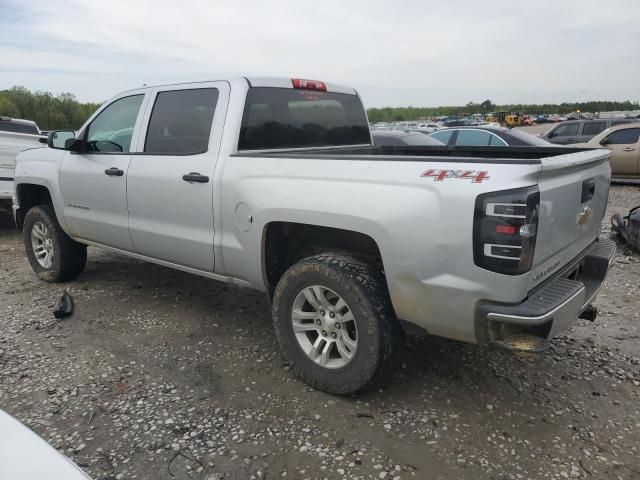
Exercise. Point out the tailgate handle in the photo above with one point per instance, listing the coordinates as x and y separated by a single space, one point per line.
588 190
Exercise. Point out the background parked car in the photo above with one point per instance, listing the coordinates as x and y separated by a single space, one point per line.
624 143
579 131
491 136
398 137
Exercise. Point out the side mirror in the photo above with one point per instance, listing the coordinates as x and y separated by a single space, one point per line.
550 135
59 139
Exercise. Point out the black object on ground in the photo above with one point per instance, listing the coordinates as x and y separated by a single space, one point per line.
628 227
64 308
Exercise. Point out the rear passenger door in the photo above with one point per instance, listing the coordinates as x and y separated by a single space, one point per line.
170 183
590 130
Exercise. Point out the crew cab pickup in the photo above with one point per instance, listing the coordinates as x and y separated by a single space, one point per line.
15 135
274 184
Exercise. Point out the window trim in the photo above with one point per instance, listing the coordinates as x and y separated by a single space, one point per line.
136 125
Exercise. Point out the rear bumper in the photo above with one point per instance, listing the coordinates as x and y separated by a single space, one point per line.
557 303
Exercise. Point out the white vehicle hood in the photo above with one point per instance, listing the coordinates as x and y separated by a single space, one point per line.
26 456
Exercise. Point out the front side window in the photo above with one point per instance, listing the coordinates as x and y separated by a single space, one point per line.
290 118
623 137
112 130
443 135
181 122
566 130
472 137
593 128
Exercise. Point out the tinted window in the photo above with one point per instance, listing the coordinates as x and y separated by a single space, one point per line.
495 140
622 137
287 117
593 128
566 130
112 129
181 121
472 137
18 127
443 136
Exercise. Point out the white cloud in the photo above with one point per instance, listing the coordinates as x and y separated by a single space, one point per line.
395 53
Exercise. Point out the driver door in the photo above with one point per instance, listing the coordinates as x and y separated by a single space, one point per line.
94 182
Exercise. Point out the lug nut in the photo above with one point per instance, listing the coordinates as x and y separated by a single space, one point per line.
331 314
338 326
318 322
333 335
322 312
324 333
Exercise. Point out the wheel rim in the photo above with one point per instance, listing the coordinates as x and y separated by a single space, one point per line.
42 244
324 326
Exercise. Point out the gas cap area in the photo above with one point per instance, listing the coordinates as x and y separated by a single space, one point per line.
244 217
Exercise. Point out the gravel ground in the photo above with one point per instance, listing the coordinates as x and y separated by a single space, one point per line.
163 375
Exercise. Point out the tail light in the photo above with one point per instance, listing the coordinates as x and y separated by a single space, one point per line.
308 84
505 227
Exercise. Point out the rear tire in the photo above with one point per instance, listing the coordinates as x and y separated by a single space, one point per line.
347 340
53 255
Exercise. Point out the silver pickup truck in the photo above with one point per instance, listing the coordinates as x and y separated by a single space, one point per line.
274 184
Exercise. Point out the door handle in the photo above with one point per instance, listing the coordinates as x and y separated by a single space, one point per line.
195 177
114 172
628 149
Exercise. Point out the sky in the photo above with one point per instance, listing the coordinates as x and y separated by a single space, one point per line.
396 53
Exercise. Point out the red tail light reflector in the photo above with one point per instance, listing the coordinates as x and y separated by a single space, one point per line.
309 84
508 229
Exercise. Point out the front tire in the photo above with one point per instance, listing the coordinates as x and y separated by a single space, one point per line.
53 255
334 322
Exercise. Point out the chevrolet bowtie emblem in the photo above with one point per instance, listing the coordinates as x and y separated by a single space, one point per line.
584 215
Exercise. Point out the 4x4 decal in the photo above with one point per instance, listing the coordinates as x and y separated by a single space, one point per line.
475 176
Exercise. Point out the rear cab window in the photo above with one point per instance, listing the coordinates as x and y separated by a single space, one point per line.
276 118
15 127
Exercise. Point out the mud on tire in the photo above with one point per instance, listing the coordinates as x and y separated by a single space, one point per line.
363 288
67 257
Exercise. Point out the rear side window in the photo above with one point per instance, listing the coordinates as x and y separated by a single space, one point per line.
181 121
623 137
566 130
472 137
18 127
290 118
593 128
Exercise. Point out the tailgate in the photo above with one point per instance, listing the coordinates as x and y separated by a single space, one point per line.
574 190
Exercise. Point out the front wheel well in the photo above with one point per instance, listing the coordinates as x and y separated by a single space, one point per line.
285 243
30 195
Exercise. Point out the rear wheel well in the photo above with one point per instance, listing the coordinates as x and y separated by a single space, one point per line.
30 195
285 243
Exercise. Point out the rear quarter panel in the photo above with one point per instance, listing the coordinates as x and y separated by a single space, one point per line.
422 227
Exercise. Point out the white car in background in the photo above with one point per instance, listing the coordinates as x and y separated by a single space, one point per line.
16 135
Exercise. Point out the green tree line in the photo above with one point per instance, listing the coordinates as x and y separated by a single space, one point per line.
49 111
394 114
52 112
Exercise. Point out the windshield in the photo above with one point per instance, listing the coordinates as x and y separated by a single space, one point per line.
294 118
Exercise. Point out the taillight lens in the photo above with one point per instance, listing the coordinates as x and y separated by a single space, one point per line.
505 228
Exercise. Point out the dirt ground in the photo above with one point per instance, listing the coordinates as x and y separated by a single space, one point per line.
163 375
